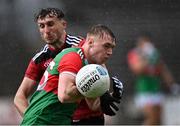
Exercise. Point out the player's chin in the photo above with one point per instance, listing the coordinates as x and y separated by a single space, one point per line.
51 42
105 59
102 61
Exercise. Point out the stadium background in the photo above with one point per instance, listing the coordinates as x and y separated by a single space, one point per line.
20 40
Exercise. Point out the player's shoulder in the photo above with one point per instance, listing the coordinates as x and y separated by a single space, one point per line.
73 40
44 54
71 51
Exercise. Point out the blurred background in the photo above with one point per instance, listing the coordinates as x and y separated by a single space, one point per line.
20 40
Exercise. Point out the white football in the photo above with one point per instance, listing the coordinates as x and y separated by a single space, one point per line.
92 80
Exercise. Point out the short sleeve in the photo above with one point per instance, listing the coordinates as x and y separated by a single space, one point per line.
70 62
34 71
132 57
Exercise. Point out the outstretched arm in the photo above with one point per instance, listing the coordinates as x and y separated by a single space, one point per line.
166 75
169 80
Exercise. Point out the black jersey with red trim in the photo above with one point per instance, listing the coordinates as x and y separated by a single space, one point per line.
41 60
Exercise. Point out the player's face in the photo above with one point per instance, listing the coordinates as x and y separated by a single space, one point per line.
51 29
102 49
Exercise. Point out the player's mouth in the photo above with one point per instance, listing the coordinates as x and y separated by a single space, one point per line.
50 38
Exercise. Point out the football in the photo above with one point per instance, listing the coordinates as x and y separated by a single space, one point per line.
92 80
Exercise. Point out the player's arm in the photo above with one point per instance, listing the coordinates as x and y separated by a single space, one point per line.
136 63
33 73
68 67
67 91
22 94
166 74
169 79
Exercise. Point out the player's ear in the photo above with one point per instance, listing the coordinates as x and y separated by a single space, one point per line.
91 41
64 23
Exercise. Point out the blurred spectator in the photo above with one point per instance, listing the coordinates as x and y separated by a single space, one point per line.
145 62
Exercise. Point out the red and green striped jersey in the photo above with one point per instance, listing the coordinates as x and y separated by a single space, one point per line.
45 108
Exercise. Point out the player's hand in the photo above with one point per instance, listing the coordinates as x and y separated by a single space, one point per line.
117 88
107 104
175 89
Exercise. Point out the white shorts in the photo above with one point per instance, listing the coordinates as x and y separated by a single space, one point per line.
148 98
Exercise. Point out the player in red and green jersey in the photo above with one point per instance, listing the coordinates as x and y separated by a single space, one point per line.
57 96
45 103
145 62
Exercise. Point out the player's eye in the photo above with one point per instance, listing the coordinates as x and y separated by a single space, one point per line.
41 25
50 23
107 46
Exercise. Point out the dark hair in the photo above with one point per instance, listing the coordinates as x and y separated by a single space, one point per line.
52 12
100 30
144 35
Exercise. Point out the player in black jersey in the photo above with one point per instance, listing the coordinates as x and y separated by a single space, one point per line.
51 25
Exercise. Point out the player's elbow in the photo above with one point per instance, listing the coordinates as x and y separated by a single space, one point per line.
20 98
17 100
63 98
